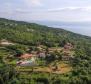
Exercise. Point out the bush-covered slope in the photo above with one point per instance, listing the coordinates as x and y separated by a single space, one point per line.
31 33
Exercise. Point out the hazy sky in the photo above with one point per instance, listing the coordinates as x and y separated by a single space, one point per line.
48 10
55 10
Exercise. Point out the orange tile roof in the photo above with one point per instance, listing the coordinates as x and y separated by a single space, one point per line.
26 56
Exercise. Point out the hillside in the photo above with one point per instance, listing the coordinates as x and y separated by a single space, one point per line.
37 54
31 33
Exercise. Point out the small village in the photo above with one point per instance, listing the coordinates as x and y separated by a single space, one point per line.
32 53
54 59
37 59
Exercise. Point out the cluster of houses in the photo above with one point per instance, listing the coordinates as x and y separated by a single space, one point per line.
68 54
30 59
68 46
10 24
27 60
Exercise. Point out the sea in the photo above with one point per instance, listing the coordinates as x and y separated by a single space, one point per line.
83 28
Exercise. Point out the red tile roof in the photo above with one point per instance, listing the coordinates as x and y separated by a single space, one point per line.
26 56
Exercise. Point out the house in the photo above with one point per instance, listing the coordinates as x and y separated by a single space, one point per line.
41 54
68 46
67 52
40 47
27 60
54 49
67 58
6 42
26 56
30 30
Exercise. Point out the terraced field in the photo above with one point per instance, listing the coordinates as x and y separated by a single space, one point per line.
62 68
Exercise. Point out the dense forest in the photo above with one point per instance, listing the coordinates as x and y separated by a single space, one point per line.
26 36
